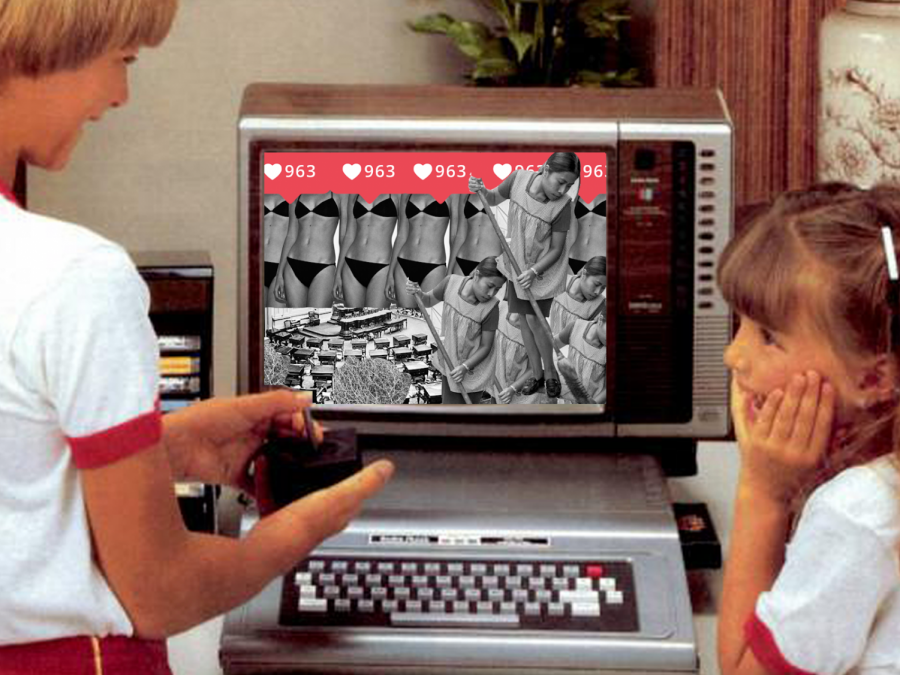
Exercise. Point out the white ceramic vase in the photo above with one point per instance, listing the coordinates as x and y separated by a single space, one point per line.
859 104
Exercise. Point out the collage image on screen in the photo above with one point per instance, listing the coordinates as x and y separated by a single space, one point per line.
407 300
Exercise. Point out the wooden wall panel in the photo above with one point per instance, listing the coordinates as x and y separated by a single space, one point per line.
763 56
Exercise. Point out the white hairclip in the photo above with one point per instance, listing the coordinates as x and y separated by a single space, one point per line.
889 253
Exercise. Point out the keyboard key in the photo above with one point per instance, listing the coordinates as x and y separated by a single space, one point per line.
585 609
560 584
318 605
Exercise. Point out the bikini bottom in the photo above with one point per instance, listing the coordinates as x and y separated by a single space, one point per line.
576 265
307 271
270 269
364 271
466 265
416 271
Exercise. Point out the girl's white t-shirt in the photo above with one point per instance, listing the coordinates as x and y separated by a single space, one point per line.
835 606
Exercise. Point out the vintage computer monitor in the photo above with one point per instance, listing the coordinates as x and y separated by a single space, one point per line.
552 487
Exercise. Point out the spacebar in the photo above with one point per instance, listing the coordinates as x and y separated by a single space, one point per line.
455 620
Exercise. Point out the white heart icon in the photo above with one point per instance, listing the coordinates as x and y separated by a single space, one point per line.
422 170
502 170
272 171
352 170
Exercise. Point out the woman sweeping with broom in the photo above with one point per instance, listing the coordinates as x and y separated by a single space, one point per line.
540 213
468 324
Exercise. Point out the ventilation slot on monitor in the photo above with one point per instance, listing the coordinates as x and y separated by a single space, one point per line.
711 336
708 216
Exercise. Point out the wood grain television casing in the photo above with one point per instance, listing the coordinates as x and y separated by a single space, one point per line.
667 322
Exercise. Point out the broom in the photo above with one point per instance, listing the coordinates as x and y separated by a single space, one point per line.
437 340
566 369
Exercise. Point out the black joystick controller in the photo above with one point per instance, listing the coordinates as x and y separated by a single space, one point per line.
288 468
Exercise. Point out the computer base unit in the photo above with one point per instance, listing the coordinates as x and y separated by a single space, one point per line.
533 563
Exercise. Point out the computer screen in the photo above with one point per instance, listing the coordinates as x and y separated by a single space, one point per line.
351 197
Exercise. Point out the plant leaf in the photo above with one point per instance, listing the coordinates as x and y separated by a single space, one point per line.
473 39
523 43
432 23
493 67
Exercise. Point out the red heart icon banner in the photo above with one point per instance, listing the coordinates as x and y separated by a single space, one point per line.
439 174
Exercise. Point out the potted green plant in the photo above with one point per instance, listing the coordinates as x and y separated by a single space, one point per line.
542 42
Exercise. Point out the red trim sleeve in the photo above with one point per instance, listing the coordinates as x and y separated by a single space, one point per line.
762 644
118 442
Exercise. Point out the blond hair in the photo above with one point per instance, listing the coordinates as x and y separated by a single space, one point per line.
41 37
819 254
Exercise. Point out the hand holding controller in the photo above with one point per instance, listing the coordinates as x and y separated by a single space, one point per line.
289 468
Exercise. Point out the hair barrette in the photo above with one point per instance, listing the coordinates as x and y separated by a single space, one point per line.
890 254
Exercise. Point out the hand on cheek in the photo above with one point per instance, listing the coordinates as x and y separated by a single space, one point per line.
786 443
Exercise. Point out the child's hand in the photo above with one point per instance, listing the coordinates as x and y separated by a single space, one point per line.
475 184
459 373
413 288
786 442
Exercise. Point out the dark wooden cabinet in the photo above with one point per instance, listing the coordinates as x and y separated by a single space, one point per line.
181 310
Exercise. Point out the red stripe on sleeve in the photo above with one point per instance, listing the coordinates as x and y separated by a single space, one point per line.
762 644
118 442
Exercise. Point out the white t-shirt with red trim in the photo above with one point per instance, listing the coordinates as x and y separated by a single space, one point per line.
78 389
835 606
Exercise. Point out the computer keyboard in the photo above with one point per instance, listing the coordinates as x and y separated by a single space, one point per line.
570 595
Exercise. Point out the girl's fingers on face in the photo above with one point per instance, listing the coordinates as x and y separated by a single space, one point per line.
785 419
821 432
766 419
807 411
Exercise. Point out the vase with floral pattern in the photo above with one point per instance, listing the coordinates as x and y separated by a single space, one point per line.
859 104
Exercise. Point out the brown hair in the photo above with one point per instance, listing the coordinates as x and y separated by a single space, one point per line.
41 37
820 252
595 267
560 162
488 268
